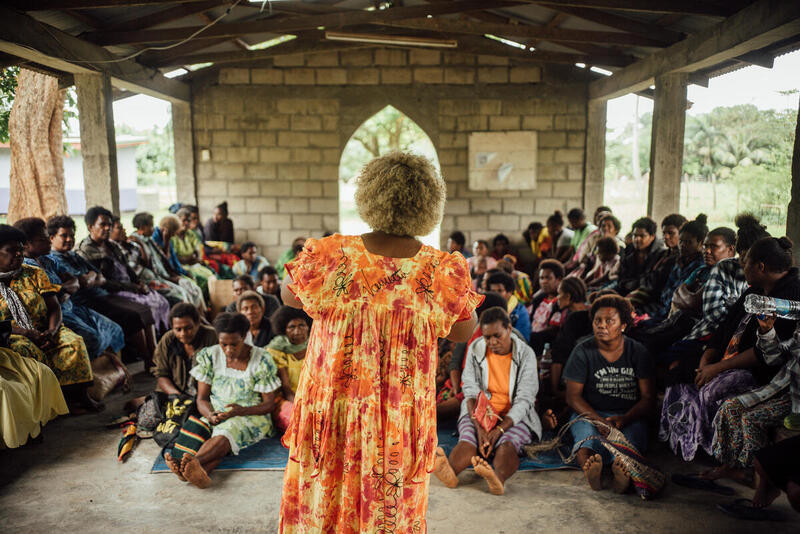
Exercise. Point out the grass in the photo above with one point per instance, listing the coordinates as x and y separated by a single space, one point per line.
628 199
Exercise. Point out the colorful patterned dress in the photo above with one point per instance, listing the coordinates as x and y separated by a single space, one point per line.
363 431
68 358
242 387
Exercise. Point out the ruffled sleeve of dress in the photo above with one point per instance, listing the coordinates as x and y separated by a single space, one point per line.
203 370
308 272
453 287
42 282
265 373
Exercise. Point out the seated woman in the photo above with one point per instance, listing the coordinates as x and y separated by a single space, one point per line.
560 235
28 299
503 284
288 350
450 395
480 254
572 302
251 305
236 385
110 260
175 354
609 379
189 249
743 424
502 366
640 258
159 263
546 318
99 333
289 255
29 394
701 380
219 228
135 319
218 255
251 262
501 246
605 270
586 256
523 288
268 283
645 297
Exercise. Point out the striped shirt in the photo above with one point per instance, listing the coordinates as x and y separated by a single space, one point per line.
777 352
725 285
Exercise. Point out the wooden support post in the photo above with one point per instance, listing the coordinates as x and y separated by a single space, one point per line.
594 171
185 183
666 145
793 215
98 143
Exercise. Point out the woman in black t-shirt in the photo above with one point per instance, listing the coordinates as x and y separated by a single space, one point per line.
609 379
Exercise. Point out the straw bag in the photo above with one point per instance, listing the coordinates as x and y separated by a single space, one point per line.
109 373
647 480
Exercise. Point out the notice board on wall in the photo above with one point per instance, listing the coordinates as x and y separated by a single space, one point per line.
502 160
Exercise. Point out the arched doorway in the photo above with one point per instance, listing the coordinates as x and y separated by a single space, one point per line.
386 131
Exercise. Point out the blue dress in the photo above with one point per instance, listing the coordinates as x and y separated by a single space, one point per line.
98 331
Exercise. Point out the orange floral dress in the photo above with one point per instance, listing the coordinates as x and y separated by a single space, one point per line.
363 432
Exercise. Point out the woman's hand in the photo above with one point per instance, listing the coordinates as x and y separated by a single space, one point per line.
617 421
214 418
142 289
71 285
234 410
289 397
706 374
765 323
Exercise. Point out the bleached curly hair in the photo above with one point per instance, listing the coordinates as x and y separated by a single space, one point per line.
400 194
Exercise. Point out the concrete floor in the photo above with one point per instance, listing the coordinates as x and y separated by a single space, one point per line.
72 483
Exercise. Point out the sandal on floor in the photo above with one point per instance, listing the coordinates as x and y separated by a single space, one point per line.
743 509
695 482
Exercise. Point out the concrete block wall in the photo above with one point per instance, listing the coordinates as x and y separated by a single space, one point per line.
275 136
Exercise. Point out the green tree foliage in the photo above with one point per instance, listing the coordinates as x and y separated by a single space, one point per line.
741 148
386 131
155 160
8 87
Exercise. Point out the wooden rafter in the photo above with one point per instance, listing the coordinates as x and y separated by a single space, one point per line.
685 7
165 16
296 46
626 24
44 5
27 38
759 25
482 46
523 30
269 25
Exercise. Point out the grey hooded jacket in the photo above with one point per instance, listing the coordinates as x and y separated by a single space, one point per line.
523 381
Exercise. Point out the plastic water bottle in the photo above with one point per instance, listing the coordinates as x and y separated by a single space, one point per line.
761 305
545 362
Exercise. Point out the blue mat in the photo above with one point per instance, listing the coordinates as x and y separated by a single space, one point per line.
270 455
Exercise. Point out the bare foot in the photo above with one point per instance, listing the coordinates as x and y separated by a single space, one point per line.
443 470
622 479
742 476
485 470
593 469
765 494
195 473
549 420
174 466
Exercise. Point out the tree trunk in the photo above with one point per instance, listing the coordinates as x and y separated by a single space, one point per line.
36 180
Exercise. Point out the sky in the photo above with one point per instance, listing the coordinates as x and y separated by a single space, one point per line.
750 85
753 85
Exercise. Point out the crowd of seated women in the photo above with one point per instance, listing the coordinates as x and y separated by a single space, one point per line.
582 326
139 296
618 323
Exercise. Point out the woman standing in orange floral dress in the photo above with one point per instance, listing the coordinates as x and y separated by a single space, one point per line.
363 432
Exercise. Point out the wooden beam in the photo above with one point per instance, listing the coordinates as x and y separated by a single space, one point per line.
46 5
523 30
759 25
164 16
793 214
666 145
626 24
296 46
595 161
686 7
25 37
292 24
488 47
